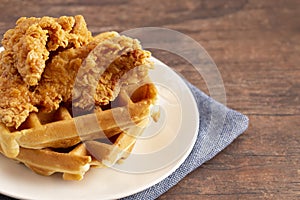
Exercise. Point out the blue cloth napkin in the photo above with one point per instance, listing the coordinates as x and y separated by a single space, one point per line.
218 127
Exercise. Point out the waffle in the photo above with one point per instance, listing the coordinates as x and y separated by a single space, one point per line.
49 143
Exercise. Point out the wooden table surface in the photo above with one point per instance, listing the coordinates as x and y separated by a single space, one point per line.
256 46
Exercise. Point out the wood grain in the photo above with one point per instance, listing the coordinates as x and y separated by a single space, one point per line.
258 165
256 46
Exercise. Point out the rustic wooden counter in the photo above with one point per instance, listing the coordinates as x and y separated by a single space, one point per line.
256 46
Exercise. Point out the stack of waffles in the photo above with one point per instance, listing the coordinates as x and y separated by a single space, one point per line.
49 142
71 101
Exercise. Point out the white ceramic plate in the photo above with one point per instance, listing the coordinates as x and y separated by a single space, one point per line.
177 133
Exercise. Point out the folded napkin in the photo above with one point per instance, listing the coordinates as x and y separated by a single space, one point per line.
218 127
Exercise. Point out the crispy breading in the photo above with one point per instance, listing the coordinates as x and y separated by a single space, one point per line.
112 57
102 63
98 80
33 40
16 99
58 78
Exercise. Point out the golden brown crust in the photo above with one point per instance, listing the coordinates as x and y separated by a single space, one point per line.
51 63
100 76
33 39
58 78
15 101
56 84
46 146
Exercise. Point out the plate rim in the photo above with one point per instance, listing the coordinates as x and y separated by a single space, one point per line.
172 166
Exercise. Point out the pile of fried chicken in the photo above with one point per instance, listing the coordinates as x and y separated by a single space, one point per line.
47 61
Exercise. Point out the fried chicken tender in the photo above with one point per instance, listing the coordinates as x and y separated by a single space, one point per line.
33 39
96 69
110 60
58 79
16 99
